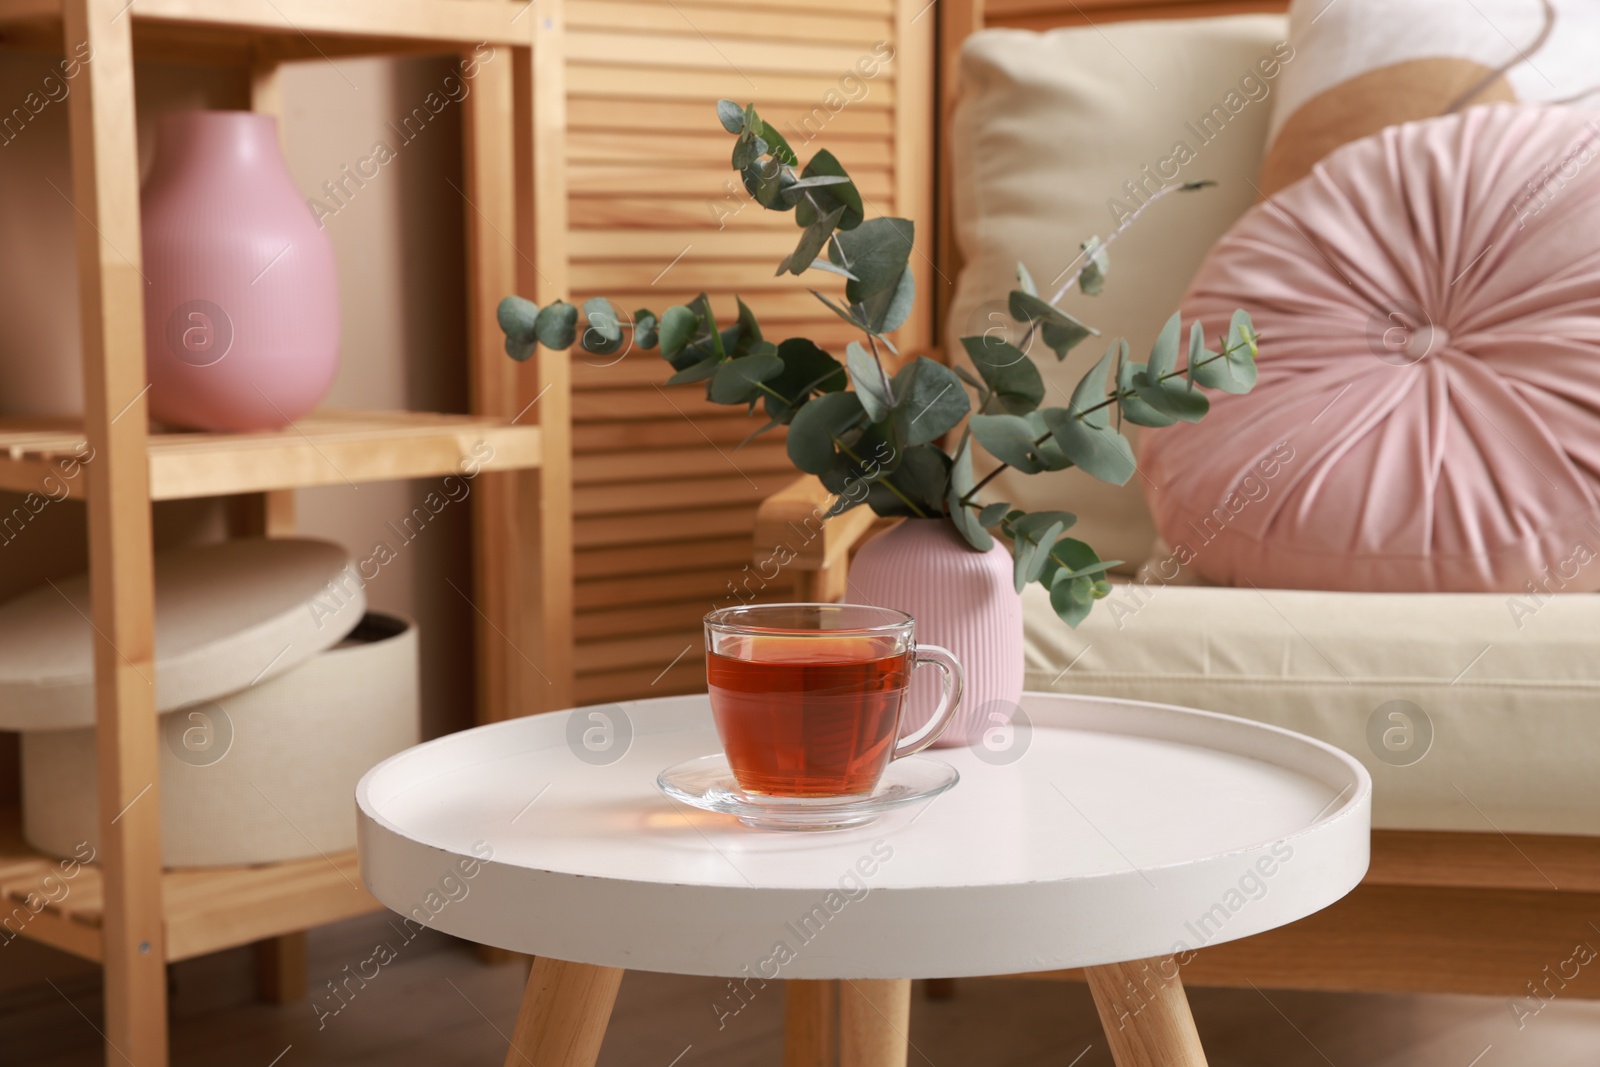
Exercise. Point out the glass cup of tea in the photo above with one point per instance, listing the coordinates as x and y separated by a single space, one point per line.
807 697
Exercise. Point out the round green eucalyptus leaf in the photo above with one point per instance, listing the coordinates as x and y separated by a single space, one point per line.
1009 439
824 163
557 325
1174 398
1100 450
679 324
916 488
806 369
738 381
645 328
966 518
929 401
993 513
603 334
516 316
1134 408
731 116
1013 380
1164 353
815 427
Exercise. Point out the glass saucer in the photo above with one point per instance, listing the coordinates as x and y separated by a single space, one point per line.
706 782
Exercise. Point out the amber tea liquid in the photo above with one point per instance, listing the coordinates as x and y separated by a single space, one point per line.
809 717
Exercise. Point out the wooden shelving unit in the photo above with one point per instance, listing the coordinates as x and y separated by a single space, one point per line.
126 912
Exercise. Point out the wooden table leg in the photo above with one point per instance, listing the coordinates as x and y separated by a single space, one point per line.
811 1023
1145 1014
281 968
874 1022
564 1014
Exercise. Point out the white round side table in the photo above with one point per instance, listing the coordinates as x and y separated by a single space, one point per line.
1111 835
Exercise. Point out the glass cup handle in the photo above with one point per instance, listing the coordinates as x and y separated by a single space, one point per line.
949 699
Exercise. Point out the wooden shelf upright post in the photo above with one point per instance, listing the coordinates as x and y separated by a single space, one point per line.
105 192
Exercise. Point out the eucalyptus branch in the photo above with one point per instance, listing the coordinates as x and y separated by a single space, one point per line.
1087 255
1007 527
741 368
1115 398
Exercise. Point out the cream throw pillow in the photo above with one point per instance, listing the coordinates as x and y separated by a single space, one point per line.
1057 136
1362 65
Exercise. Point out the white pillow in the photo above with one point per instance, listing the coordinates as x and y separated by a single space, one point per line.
1050 131
1362 65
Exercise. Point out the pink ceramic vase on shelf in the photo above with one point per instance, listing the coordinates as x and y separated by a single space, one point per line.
242 300
964 601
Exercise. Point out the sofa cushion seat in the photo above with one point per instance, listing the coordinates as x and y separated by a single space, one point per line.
1498 695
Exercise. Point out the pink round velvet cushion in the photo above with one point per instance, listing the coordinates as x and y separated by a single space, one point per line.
1428 411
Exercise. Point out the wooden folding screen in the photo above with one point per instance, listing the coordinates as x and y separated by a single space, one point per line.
664 500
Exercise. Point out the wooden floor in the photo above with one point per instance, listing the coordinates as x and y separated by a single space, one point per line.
435 1005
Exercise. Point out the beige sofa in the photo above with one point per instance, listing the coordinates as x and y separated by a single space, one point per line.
1049 128
1478 715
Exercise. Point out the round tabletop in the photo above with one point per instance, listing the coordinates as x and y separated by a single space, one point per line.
1100 831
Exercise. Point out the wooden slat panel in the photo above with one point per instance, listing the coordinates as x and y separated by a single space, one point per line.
709 183
826 330
775 305
657 248
660 557
664 501
685 19
699 149
859 116
697 51
876 7
614 82
766 457
611 437
638 620
665 527
718 214
627 404
658 651
696 271
673 496
685 585
633 372
607 686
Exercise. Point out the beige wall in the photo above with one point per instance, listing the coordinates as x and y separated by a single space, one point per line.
399 247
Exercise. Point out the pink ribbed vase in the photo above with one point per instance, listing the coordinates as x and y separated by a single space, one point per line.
962 600
242 306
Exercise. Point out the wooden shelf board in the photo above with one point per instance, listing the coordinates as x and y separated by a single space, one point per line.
207 910
325 448
311 25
